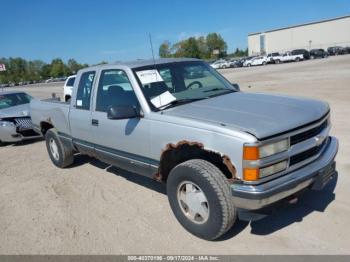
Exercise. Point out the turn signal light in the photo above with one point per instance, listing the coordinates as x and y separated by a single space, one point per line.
250 153
250 174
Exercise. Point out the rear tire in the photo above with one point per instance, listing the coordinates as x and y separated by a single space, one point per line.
59 154
200 198
277 61
297 59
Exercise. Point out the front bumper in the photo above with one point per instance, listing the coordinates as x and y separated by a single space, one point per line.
10 134
315 175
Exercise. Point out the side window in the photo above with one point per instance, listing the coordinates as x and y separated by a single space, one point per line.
166 75
114 89
84 90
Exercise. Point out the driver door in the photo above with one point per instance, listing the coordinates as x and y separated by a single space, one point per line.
121 142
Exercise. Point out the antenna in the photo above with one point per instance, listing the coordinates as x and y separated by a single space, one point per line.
150 40
154 61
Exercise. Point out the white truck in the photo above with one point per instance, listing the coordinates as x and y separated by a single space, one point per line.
288 57
68 87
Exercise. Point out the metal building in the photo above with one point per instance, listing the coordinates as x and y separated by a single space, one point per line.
321 34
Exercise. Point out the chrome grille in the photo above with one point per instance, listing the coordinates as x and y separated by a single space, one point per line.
306 154
23 123
308 134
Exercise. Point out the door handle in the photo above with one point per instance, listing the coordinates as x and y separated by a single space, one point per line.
94 122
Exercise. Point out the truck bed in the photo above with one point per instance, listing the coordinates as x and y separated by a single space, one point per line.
50 111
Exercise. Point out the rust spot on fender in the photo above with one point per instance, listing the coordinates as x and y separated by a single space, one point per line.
184 150
227 162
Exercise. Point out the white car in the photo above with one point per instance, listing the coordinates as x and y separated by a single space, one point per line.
259 60
67 88
220 64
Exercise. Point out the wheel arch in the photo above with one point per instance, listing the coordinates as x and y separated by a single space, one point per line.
184 150
44 126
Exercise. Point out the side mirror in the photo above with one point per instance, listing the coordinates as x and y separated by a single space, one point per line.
122 112
236 86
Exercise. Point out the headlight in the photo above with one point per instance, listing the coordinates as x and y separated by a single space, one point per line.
257 152
253 174
6 123
274 148
269 170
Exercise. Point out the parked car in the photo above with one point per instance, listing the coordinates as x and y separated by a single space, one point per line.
235 63
288 57
318 53
15 122
67 88
272 56
219 150
220 64
259 60
335 50
304 52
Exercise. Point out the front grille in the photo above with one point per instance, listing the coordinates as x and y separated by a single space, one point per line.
308 133
306 154
23 123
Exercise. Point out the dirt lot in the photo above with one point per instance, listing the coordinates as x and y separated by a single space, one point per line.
91 208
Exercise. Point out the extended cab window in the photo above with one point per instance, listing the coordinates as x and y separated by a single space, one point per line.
114 89
84 90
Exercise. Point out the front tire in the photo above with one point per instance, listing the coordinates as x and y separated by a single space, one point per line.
200 198
59 154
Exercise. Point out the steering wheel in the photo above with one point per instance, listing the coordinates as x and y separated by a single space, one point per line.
195 83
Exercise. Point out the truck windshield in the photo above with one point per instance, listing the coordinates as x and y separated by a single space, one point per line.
185 82
13 99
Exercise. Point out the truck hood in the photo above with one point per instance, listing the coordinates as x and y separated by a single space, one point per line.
261 115
15 111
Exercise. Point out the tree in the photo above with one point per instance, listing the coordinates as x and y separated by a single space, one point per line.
164 49
19 69
216 42
58 68
200 47
203 47
45 72
190 48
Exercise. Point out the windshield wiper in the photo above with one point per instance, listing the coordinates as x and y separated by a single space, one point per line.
220 89
181 102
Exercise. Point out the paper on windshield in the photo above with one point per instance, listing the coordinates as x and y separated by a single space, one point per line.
149 76
163 99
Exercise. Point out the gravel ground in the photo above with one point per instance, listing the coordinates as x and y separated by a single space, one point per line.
92 208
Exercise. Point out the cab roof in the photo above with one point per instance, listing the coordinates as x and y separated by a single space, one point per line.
147 62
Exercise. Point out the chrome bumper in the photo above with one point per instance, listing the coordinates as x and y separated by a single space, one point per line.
9 134
253 197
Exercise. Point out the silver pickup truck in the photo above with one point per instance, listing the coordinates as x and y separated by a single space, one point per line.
219 150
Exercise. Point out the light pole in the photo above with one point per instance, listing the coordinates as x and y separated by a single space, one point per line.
310 41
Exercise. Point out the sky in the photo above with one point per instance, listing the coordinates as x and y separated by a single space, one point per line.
107 30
